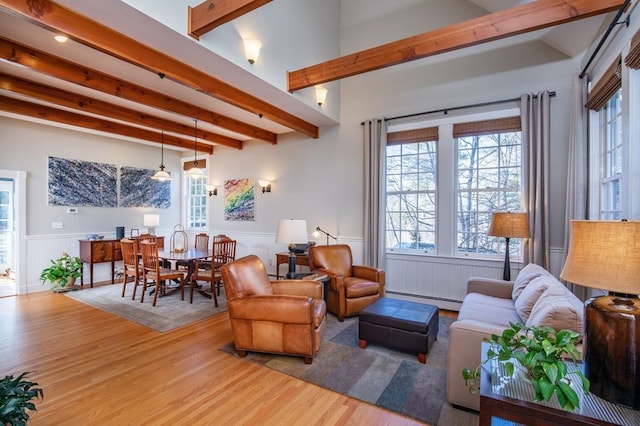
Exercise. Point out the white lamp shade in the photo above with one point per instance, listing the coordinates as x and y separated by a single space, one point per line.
291 231
151 220
161 176
321 94
252 49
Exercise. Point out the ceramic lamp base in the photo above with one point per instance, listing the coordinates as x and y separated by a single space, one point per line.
612 326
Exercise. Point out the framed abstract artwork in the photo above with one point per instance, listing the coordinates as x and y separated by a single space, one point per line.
81 183
239 199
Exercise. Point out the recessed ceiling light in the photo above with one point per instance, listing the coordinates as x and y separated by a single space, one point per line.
61 38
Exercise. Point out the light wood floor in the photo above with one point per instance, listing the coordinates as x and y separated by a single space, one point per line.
97 368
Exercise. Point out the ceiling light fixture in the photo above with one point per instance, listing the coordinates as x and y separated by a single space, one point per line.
161 175
195 172
60 38
252 49
321 94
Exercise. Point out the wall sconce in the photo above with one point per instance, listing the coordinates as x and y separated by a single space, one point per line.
321 94
252 49
212 189
265 185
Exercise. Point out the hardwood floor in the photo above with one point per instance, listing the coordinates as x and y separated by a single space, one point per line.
98 368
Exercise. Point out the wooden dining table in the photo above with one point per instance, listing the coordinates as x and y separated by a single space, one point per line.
189 256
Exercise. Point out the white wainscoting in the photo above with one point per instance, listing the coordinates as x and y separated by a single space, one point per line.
432 279
40 249
442 281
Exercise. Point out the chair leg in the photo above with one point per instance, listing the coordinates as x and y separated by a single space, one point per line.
144 287
192 285
182 287
213 293
124 284
159 284
308 360
136 281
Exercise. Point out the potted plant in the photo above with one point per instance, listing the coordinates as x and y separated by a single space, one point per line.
16 394
541 352
62 272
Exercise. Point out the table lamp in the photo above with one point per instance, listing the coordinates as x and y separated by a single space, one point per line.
292 232
151 221
508 225
606 255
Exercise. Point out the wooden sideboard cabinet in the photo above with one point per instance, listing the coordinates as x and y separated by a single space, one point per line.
99 251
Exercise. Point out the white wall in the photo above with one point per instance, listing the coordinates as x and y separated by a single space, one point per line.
318 180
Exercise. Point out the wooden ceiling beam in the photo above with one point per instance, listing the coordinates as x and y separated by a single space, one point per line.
100 37
43 112
213 13
527 17
96 80
106 109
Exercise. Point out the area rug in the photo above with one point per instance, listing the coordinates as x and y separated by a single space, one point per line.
169 313
382 376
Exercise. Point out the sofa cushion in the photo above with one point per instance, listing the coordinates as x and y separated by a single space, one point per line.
488 309
529 273
558 308
529 296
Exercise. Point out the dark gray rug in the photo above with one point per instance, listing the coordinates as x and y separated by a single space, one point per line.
382 376
169 313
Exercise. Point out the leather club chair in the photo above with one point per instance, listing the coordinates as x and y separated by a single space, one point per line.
284 317
351 287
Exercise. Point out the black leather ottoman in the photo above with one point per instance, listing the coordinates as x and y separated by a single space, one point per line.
401 324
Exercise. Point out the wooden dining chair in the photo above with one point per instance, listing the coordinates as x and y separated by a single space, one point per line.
223 252
131 264
152 271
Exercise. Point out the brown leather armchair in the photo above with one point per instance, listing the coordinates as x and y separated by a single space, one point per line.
351 287
284 317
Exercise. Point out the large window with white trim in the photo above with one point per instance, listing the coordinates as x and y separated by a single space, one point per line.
195 202
611 158
444 181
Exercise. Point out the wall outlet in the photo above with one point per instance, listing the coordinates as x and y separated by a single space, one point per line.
57 225
270 262
72 210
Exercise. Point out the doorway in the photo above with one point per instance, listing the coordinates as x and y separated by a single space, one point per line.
7 238
12 232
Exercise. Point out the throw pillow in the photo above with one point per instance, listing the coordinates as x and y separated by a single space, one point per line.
530 272
529 296
560 309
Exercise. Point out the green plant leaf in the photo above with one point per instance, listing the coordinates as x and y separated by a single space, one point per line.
570 394
551 371
547 388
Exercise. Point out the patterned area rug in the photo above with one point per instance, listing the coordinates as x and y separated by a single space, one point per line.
378 375
169 313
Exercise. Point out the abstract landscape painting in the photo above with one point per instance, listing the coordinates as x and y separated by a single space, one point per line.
239 199
137 189
81 183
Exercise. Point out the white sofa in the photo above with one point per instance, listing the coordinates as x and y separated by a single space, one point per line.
535 298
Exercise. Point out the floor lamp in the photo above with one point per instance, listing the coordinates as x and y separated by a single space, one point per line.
606 255
292 232
508 225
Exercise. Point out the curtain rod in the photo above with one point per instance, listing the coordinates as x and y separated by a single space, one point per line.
446 110
606 35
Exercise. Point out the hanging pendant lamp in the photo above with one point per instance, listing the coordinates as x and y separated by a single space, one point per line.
161 175
195 171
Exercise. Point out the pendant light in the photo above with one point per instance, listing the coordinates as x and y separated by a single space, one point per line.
161 175
195 172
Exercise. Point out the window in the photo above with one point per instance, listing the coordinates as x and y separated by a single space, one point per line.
411 196
611 153
606 145
443 182
196 202
489 164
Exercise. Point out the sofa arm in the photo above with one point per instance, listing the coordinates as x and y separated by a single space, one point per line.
274 308
308 288
490 287
465 346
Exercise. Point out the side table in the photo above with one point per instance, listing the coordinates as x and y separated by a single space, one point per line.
301 260
511 398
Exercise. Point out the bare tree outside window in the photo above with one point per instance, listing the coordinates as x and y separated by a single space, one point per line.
489 179
411 197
